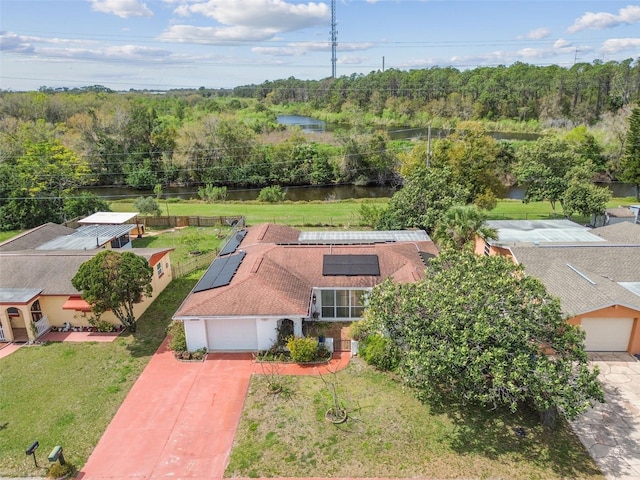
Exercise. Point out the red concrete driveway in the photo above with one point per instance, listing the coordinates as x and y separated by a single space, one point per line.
179 420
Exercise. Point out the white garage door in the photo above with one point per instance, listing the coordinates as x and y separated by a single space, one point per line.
607 334
238 334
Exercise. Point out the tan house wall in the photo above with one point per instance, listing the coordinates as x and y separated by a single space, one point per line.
58 316
616 311
51 305
480 244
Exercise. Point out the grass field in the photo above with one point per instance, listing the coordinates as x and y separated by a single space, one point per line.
184 241
67 393
340 213
390 434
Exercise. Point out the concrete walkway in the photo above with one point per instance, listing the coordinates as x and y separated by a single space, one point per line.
180 419
7 350
611 431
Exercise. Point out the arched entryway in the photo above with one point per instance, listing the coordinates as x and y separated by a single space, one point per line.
17 326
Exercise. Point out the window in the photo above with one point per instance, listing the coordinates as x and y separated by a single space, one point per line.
159 269
13 312
36 311
487 249
345 303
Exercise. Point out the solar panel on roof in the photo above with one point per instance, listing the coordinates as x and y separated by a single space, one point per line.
220 272
233 243
350 265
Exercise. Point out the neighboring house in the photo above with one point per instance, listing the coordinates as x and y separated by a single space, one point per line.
594 272
271 275
35 278
512 233
616 215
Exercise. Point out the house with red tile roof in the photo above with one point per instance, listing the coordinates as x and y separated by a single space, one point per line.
269 274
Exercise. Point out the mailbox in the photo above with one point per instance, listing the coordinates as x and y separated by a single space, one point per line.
56 454
32 451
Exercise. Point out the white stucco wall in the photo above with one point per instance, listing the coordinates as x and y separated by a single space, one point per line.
267 329
196 333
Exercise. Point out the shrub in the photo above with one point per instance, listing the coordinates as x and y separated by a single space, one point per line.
177 337
101 325
359 330
381 352
303 349
56 470
273 194
209 193
147 206
370 214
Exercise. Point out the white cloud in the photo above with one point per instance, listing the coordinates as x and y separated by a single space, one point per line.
214 36
614 45
302 48
537 33
561 43
122 8
272 15
601 20
12 42
351 60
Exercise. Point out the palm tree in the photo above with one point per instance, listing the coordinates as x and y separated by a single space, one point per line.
460 225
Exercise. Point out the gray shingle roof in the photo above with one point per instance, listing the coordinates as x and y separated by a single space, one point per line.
585 277
50 271
623 232
35 237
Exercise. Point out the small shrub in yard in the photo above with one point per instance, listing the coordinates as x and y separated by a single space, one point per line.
303 349
380 351
57 470
177 337
101 325
273 194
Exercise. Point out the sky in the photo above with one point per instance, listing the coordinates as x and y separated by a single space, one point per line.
171 44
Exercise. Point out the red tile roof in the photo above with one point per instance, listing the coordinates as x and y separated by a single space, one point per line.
276 279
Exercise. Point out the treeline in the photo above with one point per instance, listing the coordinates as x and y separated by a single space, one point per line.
55 141
551 94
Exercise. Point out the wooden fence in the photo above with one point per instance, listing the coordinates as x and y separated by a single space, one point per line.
190 221
201 261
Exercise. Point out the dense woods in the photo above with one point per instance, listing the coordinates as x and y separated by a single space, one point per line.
53 142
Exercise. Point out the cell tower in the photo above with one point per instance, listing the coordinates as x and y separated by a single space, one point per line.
334 39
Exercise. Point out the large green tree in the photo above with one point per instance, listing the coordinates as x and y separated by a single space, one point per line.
427 194
35 185
115 281
478 330
472 154
631 158
542 168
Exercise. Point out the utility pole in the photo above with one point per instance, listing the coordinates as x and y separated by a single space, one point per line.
383 63
429 147
334 39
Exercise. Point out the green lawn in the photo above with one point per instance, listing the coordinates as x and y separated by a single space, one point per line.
340 213
185 240
390 434
8 234
67 393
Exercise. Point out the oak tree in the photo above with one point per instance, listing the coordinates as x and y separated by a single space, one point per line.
116 282
477 330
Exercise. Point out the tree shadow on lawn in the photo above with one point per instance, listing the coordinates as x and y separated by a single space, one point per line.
520 436
152 325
